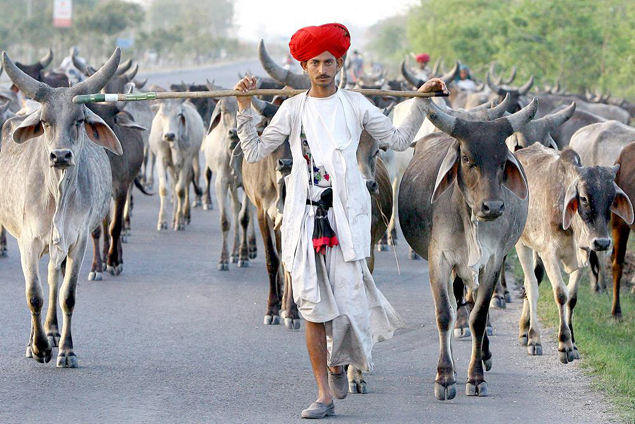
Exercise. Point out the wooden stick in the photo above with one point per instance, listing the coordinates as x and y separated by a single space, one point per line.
151 95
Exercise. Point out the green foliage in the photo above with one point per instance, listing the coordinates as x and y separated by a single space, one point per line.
583 43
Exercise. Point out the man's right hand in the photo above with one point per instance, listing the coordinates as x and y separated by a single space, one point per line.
245 84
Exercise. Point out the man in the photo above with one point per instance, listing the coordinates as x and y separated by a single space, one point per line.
465 82
68 67
423 72
327 211
356 66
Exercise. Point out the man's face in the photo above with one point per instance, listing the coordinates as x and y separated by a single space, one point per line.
463 74
322 69
422 65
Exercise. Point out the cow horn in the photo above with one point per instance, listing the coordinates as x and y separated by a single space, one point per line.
496 112
280 74
484 106
46 60
448 77
409 76
99 79
131 74
343 77
123 68
140 83
512 76
492 72
480 87
556 88
493 86
525 88
445 71
79 64
440 119
263 107
519 119
32 88
554 120
435 68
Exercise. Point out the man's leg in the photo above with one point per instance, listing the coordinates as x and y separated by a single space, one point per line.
316 345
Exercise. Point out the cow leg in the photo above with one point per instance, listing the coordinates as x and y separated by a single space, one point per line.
528 334
244 219
620 240
196 169
561 296
38 347
221 197
150 172
66 357
356 382
574 280
499 300
291 314
207 196
3 242
235 202
187 206
113 264
476 384
251 241
506 295
50 324
181 183
272 314
97 266
162 223
445 381
461 326
392 225
107 241
382 246
127 215
595 272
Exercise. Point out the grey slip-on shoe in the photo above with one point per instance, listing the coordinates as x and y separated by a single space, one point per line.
318 410
338 384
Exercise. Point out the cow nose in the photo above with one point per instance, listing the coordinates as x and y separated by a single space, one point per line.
232 133
492 208
372 186
61 157
284 165
169 136
600 244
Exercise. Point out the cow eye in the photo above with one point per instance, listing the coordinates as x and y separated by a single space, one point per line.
79 123
45 124
466 159
584 200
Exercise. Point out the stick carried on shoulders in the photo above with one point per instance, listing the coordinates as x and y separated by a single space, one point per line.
151 95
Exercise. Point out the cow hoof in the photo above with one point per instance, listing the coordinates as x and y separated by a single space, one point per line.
243 263
28 353
179 227
53 339
383 248
253 254
234 259
94 276
413 255
392 242
67 360
498 302
162 226
508 297
114 270
576 353
4 252
291 324
535 349
124 238
223 266
488 364
479 390
523 340
43 356
563 356
197 203
462 332
490 330
208 207
272 319
357 387
444 392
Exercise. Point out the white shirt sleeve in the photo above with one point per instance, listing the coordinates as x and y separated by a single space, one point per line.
381 128
257 148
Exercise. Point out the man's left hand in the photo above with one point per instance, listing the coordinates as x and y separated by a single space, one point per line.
433 84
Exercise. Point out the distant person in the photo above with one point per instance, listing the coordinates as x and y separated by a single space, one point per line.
356 66
288 62
68 67
465 81
423 72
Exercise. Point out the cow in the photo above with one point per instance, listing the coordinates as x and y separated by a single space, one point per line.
569 210
175 139
204 106
124 169
539 130
580 118
56 184
278 73
36 71
463 205
600 144
219 144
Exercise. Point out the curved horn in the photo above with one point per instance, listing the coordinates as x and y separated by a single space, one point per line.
29 86
492 72
140 83
1 69
525 88
484 106
493 86
435 68
483 112
280 74
554 120
480 87
123 68
99 79
519 119
497 111
343 77
512 75
46 60
131 74
409 76
79 64
445 71
440 119
448 77
263 107
556 88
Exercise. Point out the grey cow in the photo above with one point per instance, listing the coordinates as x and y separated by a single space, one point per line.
56 188
462 205
569 210
175 138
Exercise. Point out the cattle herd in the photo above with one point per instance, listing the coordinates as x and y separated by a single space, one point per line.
548 172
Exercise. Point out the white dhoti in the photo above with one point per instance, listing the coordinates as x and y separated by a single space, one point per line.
343 296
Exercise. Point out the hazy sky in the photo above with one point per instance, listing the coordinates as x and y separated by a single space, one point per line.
279 19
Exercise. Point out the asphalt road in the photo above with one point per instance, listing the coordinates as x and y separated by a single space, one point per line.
173 340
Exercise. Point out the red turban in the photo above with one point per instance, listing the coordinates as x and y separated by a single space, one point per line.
423 57
312 41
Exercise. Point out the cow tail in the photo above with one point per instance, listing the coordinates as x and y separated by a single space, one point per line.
141 188
197 188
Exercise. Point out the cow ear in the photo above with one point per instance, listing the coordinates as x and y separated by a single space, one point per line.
514 178
447 171
124 119
29 128
622 205
100 133
570 204
215 119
